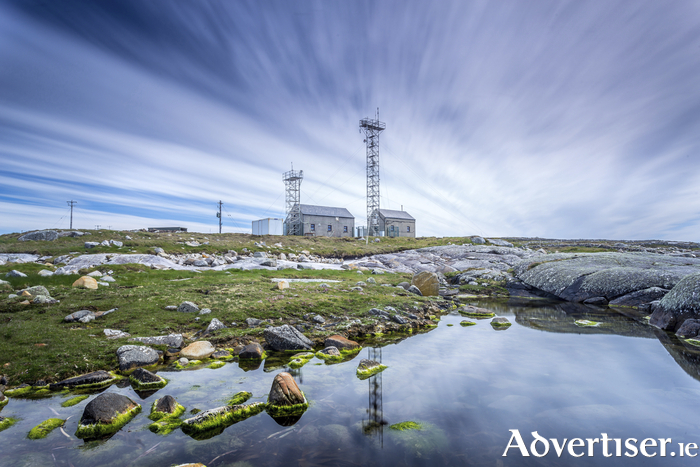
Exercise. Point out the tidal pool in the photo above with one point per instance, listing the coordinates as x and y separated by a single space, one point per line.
466 386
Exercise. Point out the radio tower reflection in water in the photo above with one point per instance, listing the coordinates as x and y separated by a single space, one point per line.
374 424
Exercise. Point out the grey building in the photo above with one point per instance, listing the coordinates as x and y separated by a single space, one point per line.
396 223
325 221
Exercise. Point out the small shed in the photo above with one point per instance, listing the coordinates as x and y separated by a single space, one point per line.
268 226
396 223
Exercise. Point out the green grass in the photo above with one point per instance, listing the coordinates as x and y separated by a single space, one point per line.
35 342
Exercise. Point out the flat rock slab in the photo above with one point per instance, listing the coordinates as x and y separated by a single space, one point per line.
40 236
341 343
576 277
135 356
89 379
171 340
198 350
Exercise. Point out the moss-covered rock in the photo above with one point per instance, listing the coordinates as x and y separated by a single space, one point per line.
239 398
74 401
3 400
586 323
6 423
43 429
143 380
500 323
476 312
26 391
300 359
165 407
466 322
330 355
367 368
95 380
216 365
105 415
403 426
285 398
214 421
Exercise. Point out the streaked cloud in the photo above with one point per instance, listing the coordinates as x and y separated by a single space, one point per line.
553 119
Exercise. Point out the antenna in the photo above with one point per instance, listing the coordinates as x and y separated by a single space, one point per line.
371 130
292 184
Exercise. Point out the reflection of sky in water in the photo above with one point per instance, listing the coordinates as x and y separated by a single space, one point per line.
468 385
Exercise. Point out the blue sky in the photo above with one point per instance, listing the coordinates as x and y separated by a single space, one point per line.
504 118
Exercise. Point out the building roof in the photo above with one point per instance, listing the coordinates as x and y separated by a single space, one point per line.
391 214
311 210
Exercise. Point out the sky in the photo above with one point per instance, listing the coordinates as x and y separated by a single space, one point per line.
555 119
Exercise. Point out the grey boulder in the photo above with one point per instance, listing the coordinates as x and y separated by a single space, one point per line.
171 340
135 356
680 304
286 338
40 236
187 307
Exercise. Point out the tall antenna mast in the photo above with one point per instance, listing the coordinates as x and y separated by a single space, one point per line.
71 203
292 185
372 129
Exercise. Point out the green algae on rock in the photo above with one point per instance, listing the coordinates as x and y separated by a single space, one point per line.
239 398
406 426
466 322
476 312
43 429
3 400
175 409
95 380
6 423
29 392
300 359
165 426
586 323
105 415
216 365
500 322
695 342
74 401
143 380
216 420
367 368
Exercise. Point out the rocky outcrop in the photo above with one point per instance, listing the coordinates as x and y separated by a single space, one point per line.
135 356
577 277
39 236
680 304
105 415
286 338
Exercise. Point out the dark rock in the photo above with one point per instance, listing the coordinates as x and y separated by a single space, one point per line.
187 307
378 312
166 404
252 322
105 408
414 290
144 376
404 285
252 351
40 236
640 297
171 340
134 356
678 305
172 352
689 328
221 354
286 338
284 391
39 383
399 319
341 342
596 301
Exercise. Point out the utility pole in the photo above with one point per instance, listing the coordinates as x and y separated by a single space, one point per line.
218 214
71 203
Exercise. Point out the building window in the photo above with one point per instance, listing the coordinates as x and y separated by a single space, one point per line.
408 228
392 228
345 229
313 227
330 228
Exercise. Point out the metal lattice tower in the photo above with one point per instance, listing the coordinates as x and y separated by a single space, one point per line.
372 129
292 184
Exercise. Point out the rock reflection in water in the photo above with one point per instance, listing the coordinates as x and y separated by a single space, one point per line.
374 424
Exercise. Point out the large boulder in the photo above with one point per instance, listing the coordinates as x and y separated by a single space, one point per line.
427 282
106 414
680 304
198 350
187 307
36 290
286 338
285 391
136 356
171 340
40 236
640 298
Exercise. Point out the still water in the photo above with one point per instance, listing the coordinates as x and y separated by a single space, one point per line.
467 386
